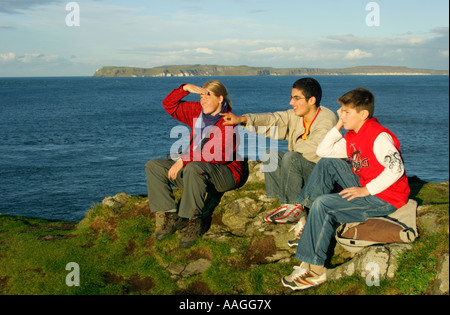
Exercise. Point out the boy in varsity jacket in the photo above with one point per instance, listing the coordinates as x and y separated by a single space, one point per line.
374 184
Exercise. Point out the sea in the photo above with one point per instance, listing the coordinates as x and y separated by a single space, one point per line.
68 142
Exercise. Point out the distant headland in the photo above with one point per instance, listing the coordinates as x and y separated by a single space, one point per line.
215 70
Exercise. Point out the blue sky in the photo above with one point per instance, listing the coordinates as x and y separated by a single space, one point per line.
36 41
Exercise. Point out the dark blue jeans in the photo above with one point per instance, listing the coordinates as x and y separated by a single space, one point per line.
327 210
287 180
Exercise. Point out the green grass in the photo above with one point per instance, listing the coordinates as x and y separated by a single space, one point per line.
117 254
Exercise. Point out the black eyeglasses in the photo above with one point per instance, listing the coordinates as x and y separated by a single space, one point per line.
298 98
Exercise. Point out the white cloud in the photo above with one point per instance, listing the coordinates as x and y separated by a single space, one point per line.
8 56
270 51
412 49
206 51
36 57
28 58
357 54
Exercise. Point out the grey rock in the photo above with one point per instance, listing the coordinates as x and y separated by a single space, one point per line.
381 260
197 267
441 285
115 201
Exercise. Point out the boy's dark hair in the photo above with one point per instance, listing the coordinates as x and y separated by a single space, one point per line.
310 88
360 99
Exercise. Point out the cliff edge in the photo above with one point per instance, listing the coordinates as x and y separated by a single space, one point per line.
116 253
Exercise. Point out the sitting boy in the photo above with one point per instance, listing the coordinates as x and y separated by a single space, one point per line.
304 126
374 184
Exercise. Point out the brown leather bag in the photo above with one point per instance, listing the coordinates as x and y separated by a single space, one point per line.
399 227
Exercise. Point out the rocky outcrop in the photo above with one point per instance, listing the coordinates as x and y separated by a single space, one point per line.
244 217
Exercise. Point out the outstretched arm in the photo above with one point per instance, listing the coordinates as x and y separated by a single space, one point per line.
232 119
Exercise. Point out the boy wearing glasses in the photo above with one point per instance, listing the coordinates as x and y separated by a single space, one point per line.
304 126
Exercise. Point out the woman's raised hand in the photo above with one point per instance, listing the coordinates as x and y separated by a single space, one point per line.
191 88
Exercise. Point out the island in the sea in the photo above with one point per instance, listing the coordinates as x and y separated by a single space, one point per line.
215 70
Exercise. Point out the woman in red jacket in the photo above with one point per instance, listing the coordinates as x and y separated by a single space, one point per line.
210 165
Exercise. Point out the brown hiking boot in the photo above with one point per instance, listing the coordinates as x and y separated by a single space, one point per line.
191 232
172 223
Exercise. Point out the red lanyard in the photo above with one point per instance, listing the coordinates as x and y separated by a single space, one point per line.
312 120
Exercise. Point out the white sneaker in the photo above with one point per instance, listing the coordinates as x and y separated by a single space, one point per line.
302 278
287 213
298 230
